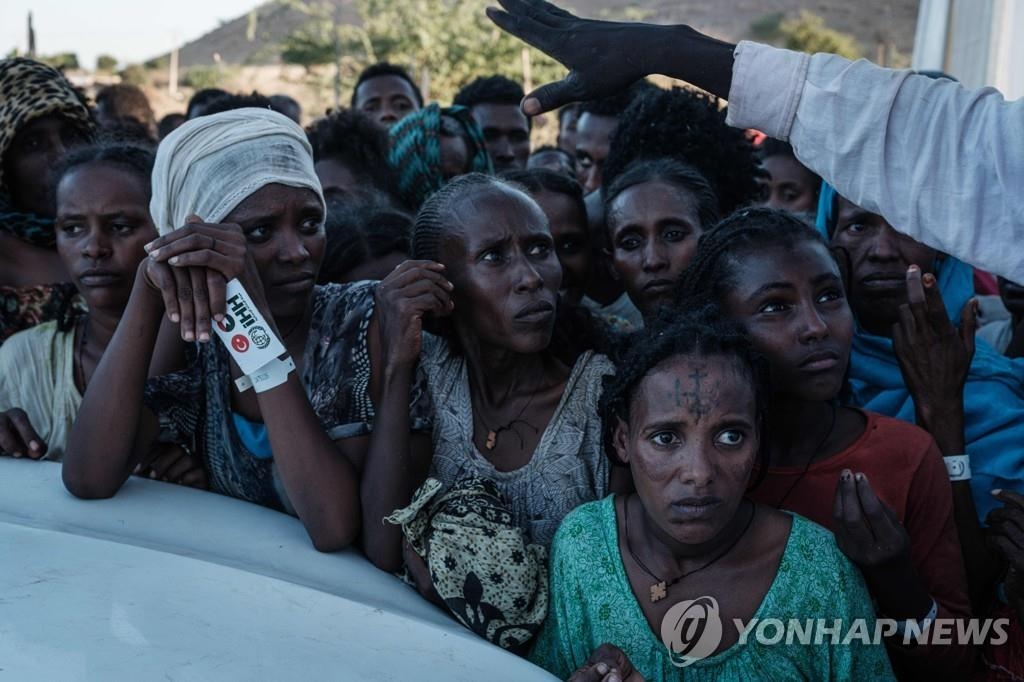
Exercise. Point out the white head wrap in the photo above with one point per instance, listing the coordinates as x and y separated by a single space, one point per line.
212 163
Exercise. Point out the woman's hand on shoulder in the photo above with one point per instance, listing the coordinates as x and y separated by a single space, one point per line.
18 438
414 289
608 663
191 267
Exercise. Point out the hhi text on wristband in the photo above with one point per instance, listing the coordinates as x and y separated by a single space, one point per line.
246 333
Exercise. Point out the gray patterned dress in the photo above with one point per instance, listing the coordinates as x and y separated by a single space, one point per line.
194 406
569 466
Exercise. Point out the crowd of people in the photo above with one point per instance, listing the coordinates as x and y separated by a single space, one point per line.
761 353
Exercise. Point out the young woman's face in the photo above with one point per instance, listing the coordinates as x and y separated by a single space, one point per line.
102 226
285 230
34 151
691 443
791 303
455 160
879 258
789 185
501 260
654 229
572 241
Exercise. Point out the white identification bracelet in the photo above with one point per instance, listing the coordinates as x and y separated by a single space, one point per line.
245 332
270 375
922 623
958 467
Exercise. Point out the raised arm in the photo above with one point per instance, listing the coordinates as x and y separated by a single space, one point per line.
397 461
938 161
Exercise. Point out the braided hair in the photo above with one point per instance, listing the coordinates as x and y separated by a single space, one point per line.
135 159
670 172
576 330
700 333
689 127
711 272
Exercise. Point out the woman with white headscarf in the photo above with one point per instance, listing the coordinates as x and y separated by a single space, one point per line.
235 196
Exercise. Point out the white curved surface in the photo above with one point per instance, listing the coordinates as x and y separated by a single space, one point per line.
164 582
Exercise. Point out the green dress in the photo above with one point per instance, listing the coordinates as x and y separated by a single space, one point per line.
591 603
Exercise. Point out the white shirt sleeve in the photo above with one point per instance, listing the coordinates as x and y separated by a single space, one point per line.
941 163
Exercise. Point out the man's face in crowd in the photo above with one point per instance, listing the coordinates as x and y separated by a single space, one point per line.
593 138
506 133
386 99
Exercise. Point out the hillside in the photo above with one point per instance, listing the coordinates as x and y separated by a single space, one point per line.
254 38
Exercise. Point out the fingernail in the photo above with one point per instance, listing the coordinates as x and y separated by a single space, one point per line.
913 268
173 261
152 474
16 455
860 477
449 284
204 337
531 106
601 668
845 475
149 247
189 336
154 254
219 317
929 279
175 317
34 445
996 492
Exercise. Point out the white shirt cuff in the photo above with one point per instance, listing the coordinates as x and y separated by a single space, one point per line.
766 86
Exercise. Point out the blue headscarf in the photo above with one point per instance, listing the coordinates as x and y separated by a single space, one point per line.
993 396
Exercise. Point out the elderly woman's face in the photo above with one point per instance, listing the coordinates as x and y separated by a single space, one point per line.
501 260
285 230
33 153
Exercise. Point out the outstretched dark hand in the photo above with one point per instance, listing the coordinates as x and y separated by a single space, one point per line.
605 57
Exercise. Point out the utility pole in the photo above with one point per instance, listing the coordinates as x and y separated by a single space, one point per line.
31 38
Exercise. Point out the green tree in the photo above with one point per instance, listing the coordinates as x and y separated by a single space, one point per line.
202 77
445 43
134 74
63 60
808 33
106 63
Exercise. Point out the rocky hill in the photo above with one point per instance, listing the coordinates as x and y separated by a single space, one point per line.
255 37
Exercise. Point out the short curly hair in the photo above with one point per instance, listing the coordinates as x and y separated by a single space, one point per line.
491 90
613 106
688 127
360 231
385 69
703 332
355 140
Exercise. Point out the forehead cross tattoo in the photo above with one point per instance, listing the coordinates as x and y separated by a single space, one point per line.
700 398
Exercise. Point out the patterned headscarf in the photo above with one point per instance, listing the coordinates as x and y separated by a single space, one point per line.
212 163
416 151
491 580
31 90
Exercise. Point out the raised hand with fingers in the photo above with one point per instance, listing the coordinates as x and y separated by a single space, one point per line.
605 57
935 358
191 267
18 438
608 663
414 289
866 529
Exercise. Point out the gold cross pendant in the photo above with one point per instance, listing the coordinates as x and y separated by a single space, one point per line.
658 591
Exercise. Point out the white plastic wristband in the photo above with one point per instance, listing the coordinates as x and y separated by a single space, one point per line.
958 467
246 333
922 623
271 375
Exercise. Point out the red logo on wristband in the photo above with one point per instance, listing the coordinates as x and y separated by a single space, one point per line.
239 343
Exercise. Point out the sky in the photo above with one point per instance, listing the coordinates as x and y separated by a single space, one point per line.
130 30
